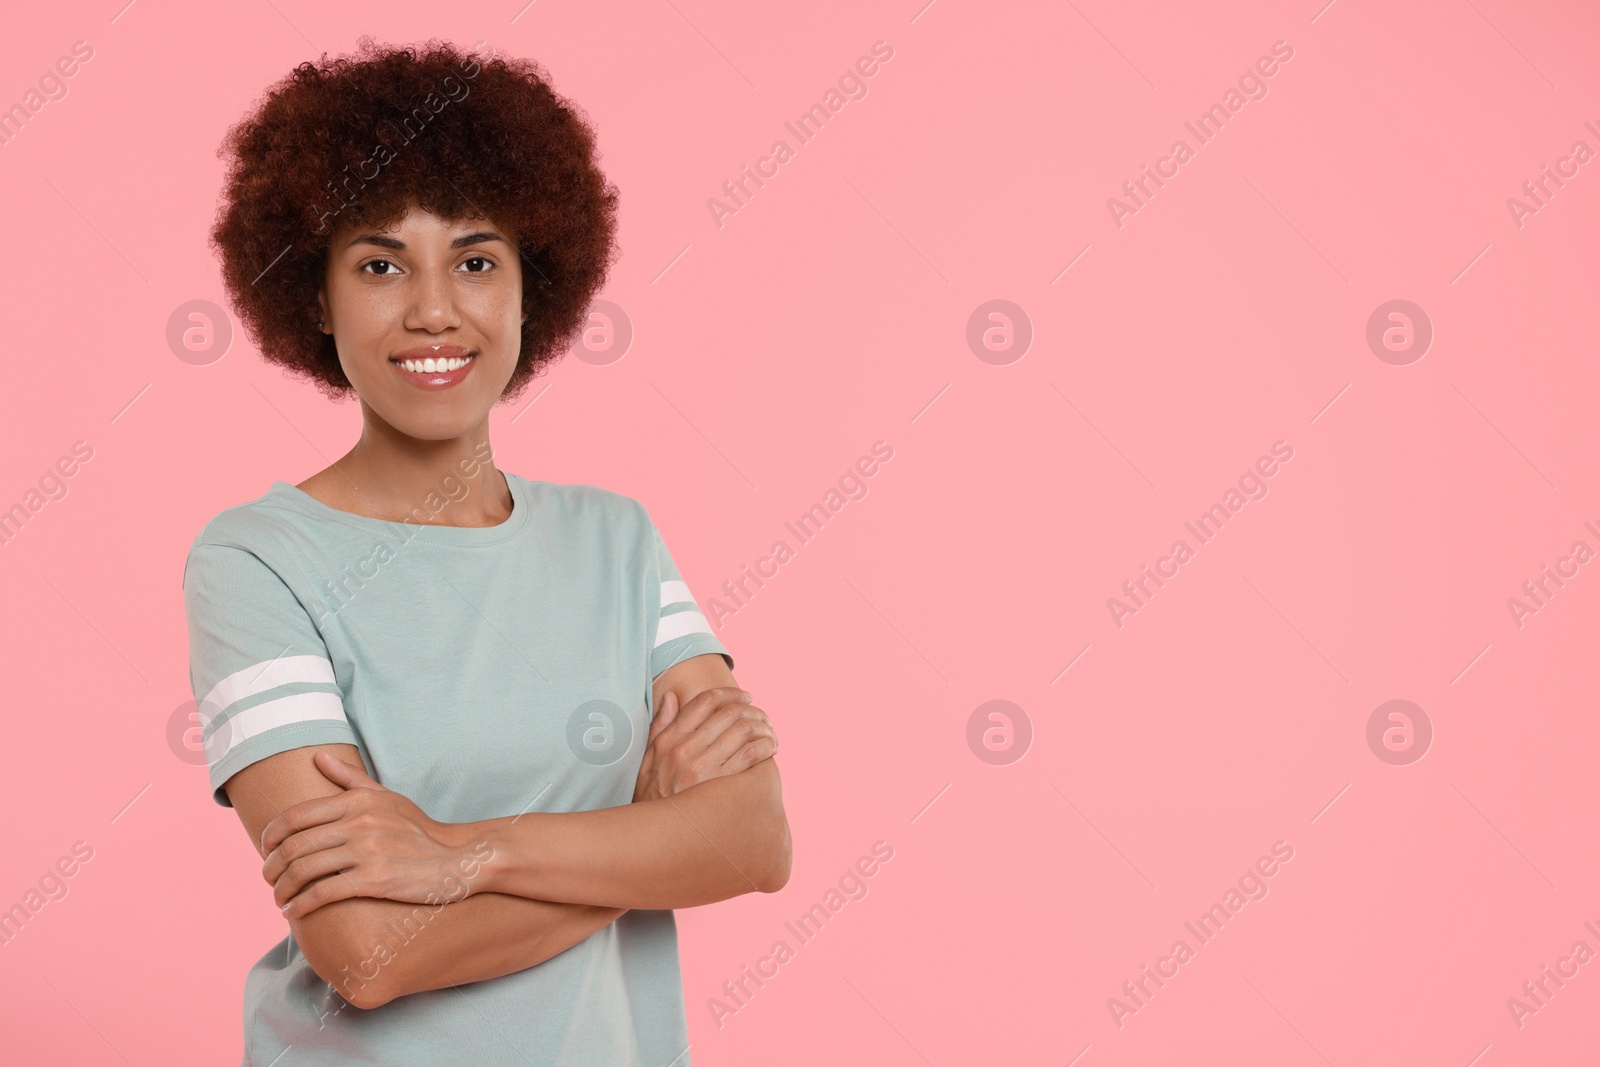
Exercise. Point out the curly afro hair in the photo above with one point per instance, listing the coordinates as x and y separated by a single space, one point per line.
361 139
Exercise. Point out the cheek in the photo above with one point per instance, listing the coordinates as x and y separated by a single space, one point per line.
499 320
366 319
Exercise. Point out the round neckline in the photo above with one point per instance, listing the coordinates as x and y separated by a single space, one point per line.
428 533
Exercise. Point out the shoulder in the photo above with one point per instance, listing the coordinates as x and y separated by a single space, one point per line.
237 526
591 506
249 528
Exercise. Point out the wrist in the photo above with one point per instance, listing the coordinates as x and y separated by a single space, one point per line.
498 851
470 850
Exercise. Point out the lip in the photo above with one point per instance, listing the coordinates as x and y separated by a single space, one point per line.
439 379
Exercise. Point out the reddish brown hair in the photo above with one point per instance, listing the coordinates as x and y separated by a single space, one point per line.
360 139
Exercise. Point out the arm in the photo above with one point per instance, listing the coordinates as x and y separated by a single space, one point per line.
369 949
712 841
480 936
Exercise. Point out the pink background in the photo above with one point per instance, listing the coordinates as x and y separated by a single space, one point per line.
768 355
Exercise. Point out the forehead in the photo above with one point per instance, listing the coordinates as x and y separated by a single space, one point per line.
415 226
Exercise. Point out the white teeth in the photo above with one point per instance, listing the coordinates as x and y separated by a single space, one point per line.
431 365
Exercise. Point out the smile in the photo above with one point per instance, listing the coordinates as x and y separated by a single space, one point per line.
434 373
415 365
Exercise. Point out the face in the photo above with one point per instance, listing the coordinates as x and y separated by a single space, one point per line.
425 289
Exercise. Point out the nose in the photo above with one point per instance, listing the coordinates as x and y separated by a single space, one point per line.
433 306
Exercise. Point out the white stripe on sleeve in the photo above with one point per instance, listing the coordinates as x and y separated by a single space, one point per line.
298 707
675 592
680 624
259 678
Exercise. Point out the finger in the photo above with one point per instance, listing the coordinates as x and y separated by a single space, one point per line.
728 755
705 754
702 704
687 742
733 752
301 844
324 891
762 748
695 711
307 869
729 717
301 816
664 715
339 772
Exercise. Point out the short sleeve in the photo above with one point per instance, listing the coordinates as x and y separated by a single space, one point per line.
262 679
681 630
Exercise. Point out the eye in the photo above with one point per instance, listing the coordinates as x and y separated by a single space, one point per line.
479 259
377 262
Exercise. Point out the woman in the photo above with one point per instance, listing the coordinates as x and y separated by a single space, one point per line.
475 725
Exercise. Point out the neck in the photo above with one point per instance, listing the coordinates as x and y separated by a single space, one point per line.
390 475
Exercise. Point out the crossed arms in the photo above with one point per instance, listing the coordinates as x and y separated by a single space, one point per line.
364 873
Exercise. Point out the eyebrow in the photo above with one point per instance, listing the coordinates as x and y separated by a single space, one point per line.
463 241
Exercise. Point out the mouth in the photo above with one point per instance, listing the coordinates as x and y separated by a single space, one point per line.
434 367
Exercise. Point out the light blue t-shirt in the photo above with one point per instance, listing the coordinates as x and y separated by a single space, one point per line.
483 672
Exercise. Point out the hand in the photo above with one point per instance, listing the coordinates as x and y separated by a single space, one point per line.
367 841
717 733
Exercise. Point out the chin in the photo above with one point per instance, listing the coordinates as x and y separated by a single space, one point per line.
439 429
437 421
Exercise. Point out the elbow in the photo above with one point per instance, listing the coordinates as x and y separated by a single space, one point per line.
764 852
369 993
366 996
345 976
779 855
368 1001
775 873
337 944
358 980
774 882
